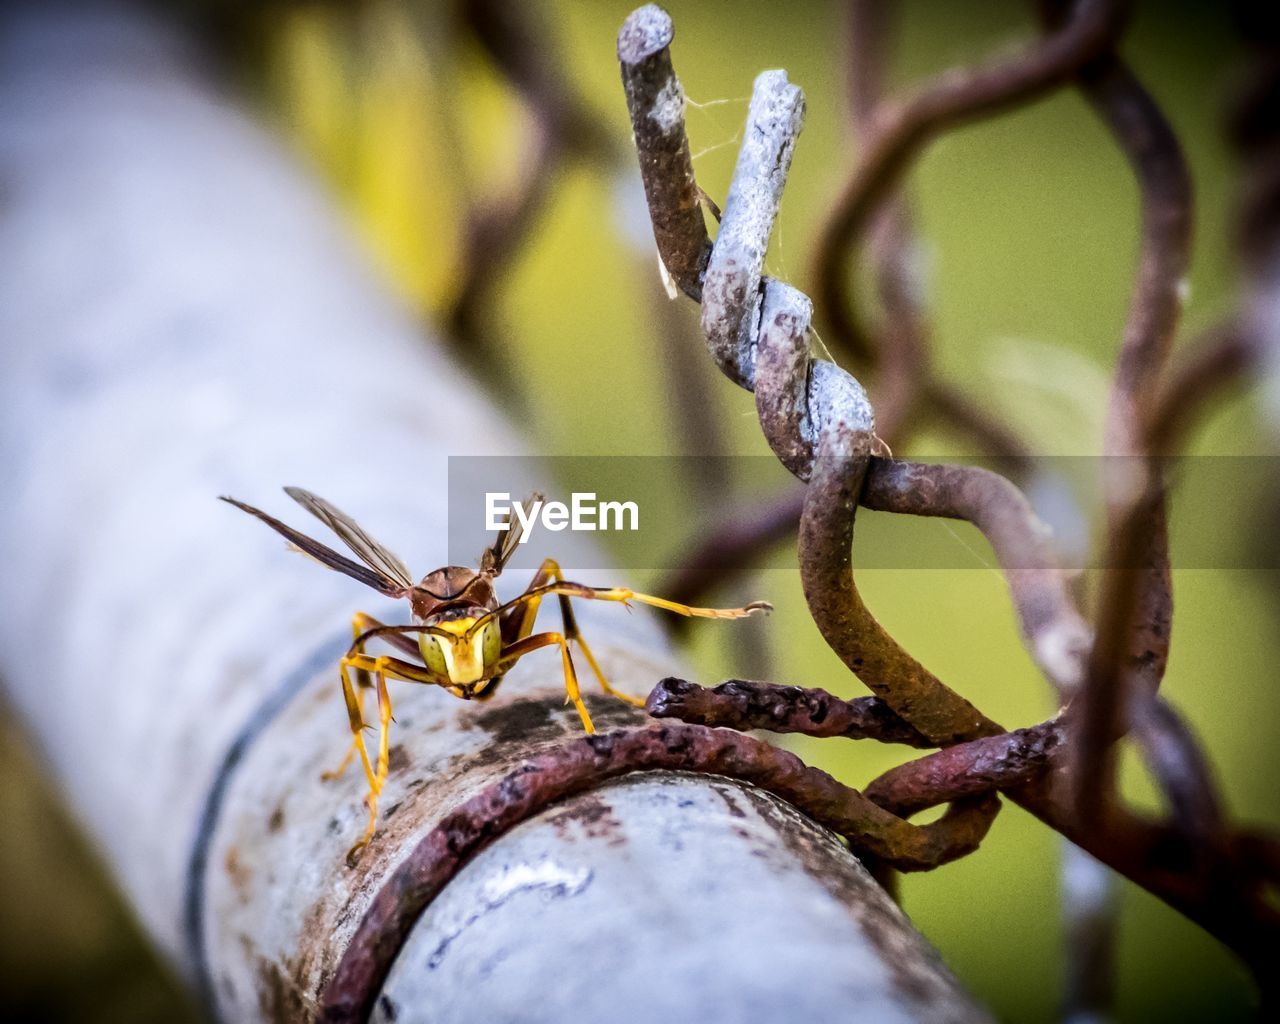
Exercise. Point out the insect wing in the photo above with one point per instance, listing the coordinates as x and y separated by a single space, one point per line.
324 555
373 554
507 541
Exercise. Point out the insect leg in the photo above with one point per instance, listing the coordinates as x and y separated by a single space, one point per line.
550 572
395 668
384 721
637 702
361 624
518 624
625 595
381 668
517 650
355 716
378 779
343 765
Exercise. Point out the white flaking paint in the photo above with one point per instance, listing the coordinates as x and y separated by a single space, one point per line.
667 111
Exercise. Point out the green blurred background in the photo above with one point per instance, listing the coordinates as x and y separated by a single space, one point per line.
1030 226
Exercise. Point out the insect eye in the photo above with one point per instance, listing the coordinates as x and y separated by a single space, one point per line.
433 653
491 642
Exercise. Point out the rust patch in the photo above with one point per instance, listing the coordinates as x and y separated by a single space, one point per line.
279 996
609 713
276 822
398 759
314 955
530 721
239 873
524 719
730 802
592 815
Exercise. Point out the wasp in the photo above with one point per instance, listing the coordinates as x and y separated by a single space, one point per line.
461 638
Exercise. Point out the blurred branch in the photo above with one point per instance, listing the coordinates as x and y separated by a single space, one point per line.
1090 916
737 544
906 389
901 130
519 43
1218 361
1135 608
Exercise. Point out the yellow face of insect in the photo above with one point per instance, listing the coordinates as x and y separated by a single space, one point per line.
463 656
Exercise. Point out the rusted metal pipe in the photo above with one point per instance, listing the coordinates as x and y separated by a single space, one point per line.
200 324
628 838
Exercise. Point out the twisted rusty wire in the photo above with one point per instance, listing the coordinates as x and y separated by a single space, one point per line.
907 392
757 331
819 423
815 416
891 136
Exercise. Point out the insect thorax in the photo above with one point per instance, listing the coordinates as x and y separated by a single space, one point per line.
452 585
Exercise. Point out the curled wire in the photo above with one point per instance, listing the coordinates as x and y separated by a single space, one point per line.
815 416
758 333
819 423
